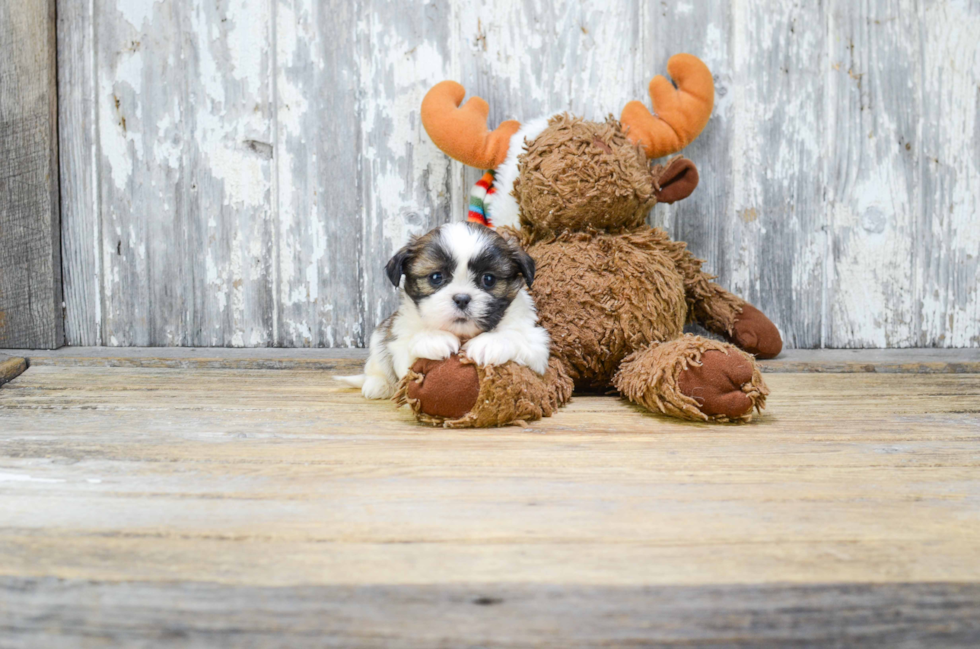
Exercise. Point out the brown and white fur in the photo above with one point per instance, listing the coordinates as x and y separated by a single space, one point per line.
464 289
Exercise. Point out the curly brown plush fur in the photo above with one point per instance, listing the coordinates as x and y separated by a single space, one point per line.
590 289
578 175
628 290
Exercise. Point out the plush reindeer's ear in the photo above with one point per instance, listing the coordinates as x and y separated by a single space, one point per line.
395 267
675 181
525 263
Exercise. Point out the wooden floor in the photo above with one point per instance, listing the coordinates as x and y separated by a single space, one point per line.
199 506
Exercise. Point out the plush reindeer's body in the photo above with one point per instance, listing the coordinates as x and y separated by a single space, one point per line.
613 293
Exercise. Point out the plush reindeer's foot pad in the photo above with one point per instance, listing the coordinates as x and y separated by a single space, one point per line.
456 393
716 384
755 333
694 378
447 389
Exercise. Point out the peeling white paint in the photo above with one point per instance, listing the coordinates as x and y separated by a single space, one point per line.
874 251
248 28
242 173
120 146
137 12
211 74
950 301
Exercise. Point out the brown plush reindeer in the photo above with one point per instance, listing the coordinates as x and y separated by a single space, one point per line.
613 292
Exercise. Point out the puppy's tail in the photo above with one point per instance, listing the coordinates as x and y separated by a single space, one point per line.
355 380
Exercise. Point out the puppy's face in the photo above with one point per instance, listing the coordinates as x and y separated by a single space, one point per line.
462 276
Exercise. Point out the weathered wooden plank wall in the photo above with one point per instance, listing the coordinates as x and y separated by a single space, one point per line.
30 229
237 174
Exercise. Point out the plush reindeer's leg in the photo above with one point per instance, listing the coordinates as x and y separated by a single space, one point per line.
693 378
456 393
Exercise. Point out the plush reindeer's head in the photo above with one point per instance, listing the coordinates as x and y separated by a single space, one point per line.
578 175
566 173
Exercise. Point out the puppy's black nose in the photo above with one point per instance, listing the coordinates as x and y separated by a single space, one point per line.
462 300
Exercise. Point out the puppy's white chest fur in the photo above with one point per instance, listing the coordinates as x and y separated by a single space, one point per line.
463 290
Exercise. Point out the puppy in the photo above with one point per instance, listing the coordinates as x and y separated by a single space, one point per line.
464 288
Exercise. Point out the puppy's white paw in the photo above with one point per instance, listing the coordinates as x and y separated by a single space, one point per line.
492 349
537 358
435 345
377 387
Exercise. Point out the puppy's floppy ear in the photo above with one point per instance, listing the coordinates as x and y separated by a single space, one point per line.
524 263
395 267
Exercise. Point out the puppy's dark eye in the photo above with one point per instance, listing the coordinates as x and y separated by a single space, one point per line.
436 279
488 280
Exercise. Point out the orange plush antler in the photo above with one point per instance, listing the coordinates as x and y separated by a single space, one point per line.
681 113
462 132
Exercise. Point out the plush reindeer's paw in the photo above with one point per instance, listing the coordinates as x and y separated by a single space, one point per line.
755 333
719 385
693 378
446 389
457 393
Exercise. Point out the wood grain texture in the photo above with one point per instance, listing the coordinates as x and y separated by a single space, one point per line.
340 361
530 61
11 367
779 247
81 224
318 172
948 236
30 226
873 176
191 503
53 612
838 172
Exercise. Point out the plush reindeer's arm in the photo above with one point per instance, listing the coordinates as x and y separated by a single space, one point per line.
708 304
720 312
731 317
